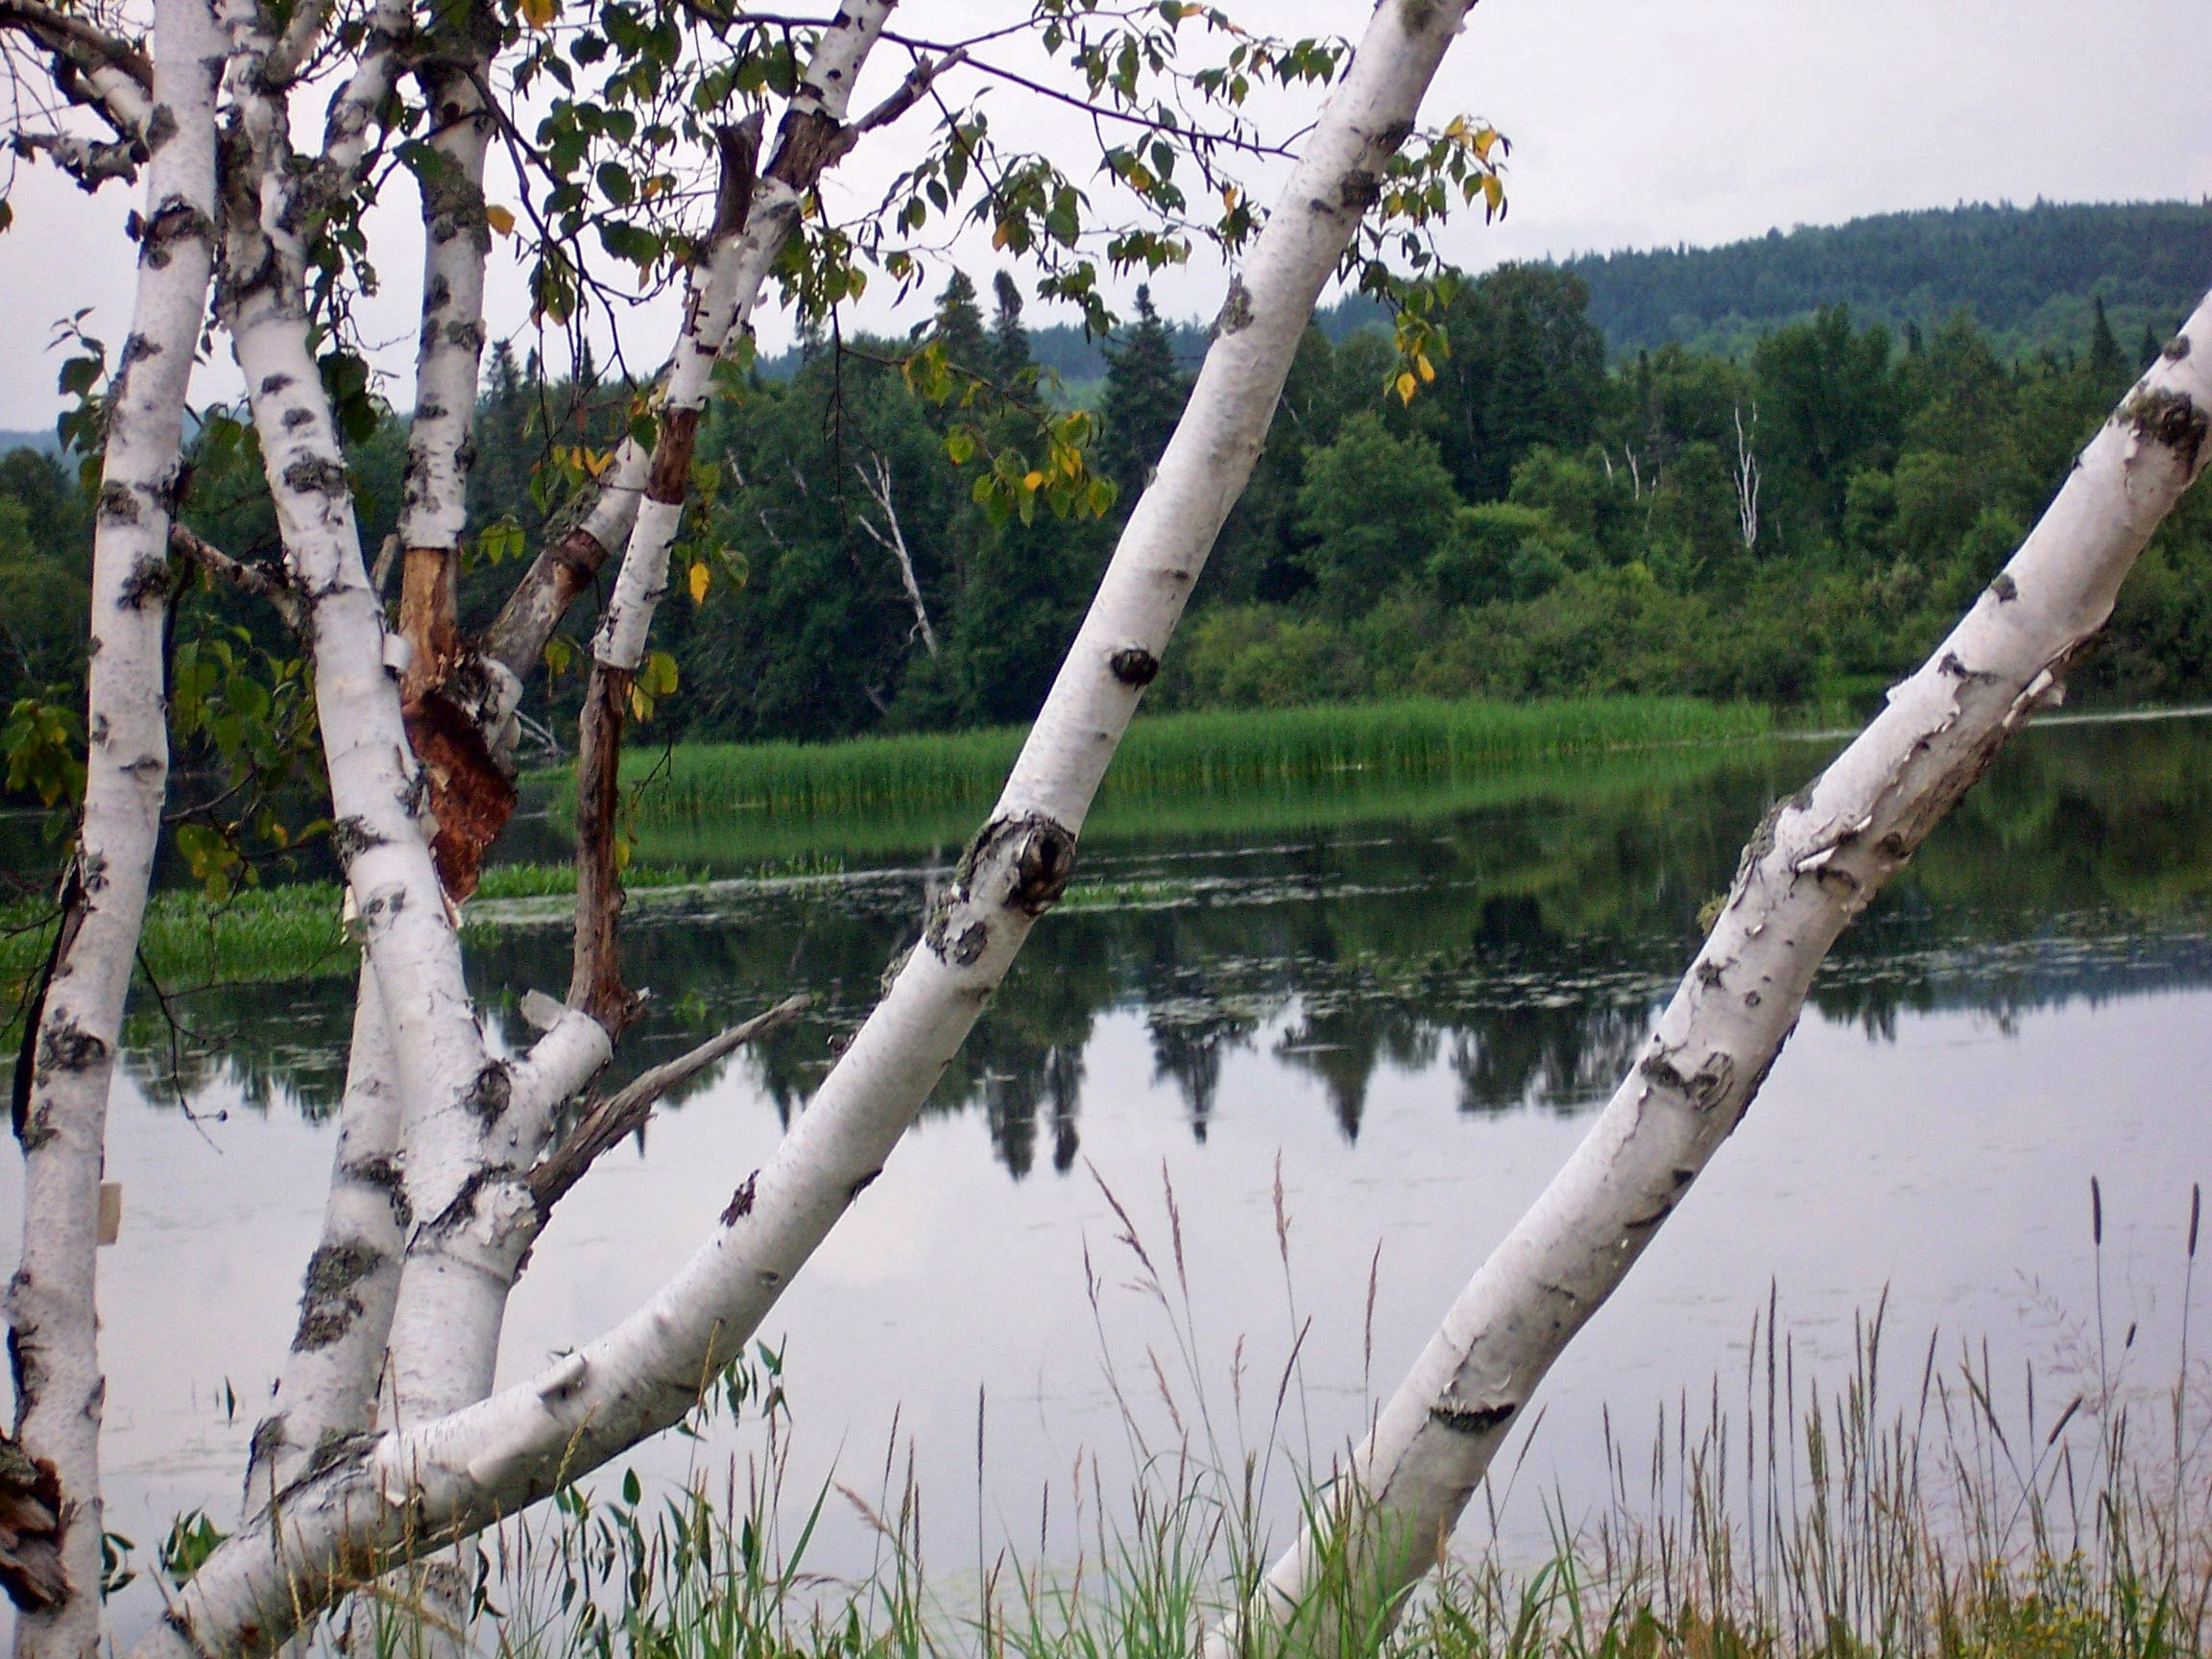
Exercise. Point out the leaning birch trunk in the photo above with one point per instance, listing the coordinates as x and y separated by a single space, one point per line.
452 1477
752 223
328 1390
60 1099
1815 862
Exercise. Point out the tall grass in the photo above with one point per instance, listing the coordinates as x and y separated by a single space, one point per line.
1919 1510
1192 754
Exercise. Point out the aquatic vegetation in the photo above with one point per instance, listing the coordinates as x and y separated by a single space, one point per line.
778 801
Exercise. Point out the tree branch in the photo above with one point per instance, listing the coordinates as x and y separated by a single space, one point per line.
623 1112
254 579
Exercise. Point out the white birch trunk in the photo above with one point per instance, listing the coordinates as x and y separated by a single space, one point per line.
455 1475
60 1112
720 304
328 1390
1815 862
457 1101
456 237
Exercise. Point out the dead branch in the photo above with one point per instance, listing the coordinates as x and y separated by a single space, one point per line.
878 487
623 1112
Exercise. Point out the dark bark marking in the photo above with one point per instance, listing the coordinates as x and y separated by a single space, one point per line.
2005 587
2176 349
741 1201
2162 415
861 1186
351 837
489 1095
1470 1419
1134 667
327 1304
1236 311
118 501
315 475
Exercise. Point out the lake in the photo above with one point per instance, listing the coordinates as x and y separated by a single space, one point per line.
1398 1013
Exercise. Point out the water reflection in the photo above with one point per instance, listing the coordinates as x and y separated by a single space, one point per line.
1525 943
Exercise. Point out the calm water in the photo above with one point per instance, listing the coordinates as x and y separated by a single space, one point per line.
1405 1013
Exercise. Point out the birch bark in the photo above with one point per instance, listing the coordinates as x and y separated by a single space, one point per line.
328 1390
455 1475
752 224
456 703
1812 867
61 1086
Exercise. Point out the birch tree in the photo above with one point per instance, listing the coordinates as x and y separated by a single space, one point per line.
445 1167
1814 864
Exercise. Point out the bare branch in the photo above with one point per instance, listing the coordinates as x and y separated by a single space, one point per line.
91 162
909 92
82 42
878 484
247 578
623 1112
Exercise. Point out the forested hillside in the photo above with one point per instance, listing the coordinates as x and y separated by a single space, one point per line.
1797 525
2027 276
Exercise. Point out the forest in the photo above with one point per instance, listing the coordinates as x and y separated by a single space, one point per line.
1795 526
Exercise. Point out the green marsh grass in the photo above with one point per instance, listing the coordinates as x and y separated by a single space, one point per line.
1174 756
733 806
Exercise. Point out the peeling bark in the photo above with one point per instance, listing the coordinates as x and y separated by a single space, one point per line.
456 703
52 1483
1812 866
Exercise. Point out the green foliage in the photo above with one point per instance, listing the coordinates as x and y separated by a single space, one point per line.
1372 508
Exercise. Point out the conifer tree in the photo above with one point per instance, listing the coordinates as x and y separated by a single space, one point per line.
1009 339
2107 367
1144 396
958 326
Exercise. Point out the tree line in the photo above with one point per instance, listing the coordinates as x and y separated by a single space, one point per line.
1797 527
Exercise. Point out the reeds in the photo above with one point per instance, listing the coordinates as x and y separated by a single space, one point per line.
1178 755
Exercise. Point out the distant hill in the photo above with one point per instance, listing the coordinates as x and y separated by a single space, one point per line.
2027 276
42 440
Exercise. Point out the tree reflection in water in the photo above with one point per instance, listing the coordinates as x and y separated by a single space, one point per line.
1527 943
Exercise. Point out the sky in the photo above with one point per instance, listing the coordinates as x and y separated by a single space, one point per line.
1633 125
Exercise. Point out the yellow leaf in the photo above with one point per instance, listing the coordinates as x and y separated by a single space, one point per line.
1427 368
700 579
500 219
1034 481
540 14
999 236
1406 386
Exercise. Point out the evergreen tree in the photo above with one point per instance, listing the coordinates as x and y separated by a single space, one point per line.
1009 339
1145 398
2106 364
958 326
2146 353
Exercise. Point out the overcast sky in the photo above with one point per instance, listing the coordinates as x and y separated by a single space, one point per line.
1633 124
